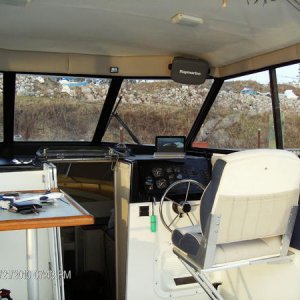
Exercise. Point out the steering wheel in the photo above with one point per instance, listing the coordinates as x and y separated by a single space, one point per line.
182 207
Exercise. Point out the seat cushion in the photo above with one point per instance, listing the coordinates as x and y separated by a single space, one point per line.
178 233
190 243
247 250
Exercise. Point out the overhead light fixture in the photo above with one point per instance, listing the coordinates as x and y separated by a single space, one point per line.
186 20
15 2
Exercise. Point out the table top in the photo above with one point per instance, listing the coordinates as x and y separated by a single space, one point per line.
65 212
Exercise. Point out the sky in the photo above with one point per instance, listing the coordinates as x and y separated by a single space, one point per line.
284 75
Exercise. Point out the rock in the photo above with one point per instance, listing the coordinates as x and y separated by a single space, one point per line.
86 90
40 79
65 89
290 95
21 91
89 98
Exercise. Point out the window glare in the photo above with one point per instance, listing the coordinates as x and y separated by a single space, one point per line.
55 108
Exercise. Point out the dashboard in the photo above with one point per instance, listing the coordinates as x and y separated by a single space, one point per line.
152 177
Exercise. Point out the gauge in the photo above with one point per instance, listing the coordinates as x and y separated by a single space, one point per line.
169 170
177 170
161 183
157 172
171 176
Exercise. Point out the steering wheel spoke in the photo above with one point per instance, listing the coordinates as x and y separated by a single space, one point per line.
190 219
187 192
169 199
173 220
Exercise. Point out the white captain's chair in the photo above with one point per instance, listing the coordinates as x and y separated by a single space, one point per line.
247 212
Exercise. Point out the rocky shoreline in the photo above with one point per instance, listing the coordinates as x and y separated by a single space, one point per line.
52 88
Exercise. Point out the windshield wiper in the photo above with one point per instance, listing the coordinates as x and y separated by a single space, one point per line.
123 124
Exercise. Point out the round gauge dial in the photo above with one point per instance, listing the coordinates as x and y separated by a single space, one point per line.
171 176
161 183
177 169
169 170
157 172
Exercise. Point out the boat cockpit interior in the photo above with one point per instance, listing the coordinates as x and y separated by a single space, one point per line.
149 149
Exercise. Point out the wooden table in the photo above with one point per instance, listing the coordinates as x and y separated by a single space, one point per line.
64 212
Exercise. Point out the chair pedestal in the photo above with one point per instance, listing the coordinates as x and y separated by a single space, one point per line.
201 278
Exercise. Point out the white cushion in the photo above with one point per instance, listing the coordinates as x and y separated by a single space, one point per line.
247 250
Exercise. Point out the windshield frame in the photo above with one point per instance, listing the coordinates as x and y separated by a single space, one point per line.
9 146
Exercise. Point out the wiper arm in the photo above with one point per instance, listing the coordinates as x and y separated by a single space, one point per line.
116 106
123 124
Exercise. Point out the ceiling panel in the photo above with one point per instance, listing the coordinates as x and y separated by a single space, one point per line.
142 27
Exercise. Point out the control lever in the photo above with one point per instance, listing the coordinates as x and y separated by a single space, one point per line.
154 200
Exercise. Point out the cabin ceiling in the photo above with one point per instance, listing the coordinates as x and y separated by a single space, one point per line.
128 28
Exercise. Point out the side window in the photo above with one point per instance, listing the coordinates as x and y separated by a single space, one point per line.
241 117
1 107
288 79
53 108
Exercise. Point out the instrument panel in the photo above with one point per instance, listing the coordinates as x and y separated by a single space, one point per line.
163 177
155 176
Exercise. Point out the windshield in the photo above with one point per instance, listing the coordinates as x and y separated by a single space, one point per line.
1 107
56 108
289 96
149 108
241 116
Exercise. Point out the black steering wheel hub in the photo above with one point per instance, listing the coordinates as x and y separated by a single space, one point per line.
182 207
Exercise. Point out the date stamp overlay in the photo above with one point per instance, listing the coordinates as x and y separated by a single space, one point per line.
36 274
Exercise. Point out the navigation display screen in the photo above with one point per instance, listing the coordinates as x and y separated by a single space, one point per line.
170 144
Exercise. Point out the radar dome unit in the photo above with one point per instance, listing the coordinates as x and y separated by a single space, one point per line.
188 70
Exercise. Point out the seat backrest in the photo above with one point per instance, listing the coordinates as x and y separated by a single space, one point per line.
253 192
